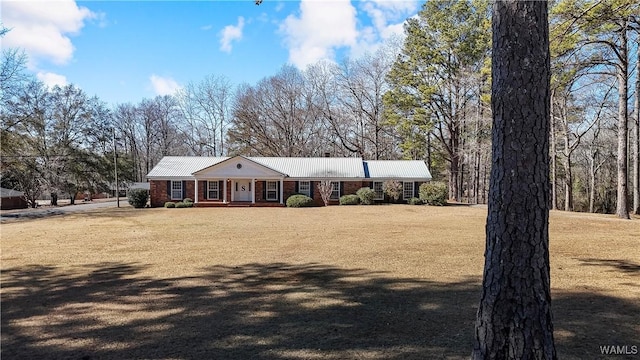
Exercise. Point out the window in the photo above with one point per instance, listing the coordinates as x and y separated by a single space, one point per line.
272 190
377 187
213 190
407 190
304 187
335 190
176 190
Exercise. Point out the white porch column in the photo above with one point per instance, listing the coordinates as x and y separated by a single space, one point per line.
224 191
281 190
253 191
195 198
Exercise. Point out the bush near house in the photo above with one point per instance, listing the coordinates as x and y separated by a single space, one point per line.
366 195
187 200
415 201
393 189
169 204
181 205
434 193
138 198
349 199
299 201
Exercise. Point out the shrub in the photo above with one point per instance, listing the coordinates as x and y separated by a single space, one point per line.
138 198
349 200
325 188
366 195
392 188
181 205
414 201
187 200
299 201
169 204
434 193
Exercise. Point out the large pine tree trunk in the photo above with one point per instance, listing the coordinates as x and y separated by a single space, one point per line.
636 154
514 316
622 209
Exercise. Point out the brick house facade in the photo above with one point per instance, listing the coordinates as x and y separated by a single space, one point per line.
270 181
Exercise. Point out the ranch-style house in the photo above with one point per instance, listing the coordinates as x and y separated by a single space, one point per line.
269 181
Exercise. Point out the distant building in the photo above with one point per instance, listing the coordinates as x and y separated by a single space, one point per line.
12 199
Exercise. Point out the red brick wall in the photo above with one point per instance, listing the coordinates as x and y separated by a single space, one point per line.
9 203
159 195
348 187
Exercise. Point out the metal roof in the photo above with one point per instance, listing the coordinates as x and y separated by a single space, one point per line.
316 167
8 193
183 167
397 169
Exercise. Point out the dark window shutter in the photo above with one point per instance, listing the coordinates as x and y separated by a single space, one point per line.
311 189
297 187
264 190
169 189
416 190
278 188
220 189
341 188
205 190
184 189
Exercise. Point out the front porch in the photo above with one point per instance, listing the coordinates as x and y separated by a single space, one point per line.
237 204
238 182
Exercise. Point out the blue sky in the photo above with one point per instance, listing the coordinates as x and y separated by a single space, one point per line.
124 51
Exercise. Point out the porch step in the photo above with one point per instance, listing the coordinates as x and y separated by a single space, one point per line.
236 204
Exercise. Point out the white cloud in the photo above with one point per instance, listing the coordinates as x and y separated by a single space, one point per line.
321 28
164 85
387 24
52 79
206 27
231 33
42 28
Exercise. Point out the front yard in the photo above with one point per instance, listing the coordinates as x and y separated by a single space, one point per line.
361 282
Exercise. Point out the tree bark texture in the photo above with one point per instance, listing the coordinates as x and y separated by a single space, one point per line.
636 154
514 317
622 209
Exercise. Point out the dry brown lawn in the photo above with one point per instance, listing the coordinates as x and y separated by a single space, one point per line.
363 282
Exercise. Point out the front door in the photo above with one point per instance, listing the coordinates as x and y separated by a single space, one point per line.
242 190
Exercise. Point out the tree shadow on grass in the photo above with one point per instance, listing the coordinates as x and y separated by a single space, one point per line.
618 265
253 311
260 311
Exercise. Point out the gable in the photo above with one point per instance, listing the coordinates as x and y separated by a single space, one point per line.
238 167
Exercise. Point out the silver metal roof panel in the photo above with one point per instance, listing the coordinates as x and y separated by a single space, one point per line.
397 169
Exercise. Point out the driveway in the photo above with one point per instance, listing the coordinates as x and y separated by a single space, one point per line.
45 211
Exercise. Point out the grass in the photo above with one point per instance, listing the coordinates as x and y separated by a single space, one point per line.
358 282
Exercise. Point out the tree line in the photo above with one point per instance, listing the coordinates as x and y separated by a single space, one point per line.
426 98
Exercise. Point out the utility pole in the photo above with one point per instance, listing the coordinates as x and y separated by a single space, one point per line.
115 165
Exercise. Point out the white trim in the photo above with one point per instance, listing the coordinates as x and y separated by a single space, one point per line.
217 189
308 184
253 191
413 185
195 199
273 191
373 186
224 188
175 189
334 190
281 190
